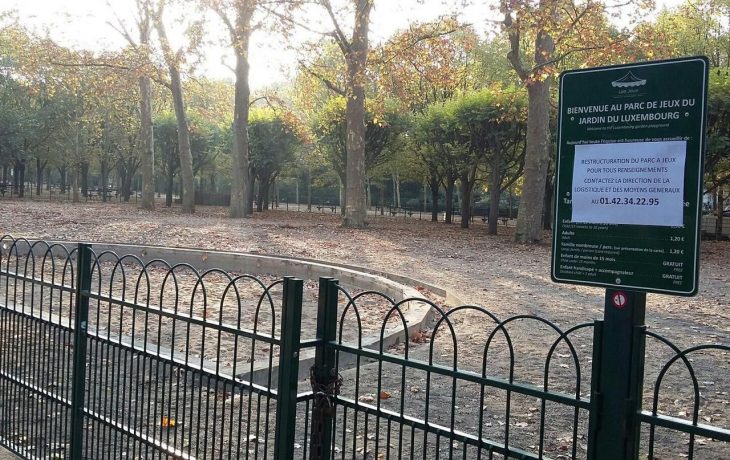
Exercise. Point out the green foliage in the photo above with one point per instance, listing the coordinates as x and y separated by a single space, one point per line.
381 135
717 159
695 28
465 130
272 143
32 121
207 142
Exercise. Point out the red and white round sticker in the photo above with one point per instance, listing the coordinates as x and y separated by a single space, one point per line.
619 299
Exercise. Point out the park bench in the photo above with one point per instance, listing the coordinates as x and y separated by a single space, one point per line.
326 206
504 220
396 211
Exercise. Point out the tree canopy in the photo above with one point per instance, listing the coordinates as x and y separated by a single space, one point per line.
443 105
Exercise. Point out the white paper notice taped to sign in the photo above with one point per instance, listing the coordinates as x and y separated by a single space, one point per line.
635 183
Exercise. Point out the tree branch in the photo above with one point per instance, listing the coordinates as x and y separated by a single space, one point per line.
120 28
333 87
513 55
337 34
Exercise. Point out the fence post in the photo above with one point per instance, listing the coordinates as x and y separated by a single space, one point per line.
286 397
618 363
78 385
324 376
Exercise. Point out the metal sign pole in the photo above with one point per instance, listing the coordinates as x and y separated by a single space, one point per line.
615 430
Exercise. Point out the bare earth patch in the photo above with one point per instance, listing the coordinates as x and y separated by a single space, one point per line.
492 271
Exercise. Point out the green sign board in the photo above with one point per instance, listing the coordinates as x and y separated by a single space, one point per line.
629 176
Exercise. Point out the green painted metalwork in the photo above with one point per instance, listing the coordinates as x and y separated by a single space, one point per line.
617 385
169 373
325 378
81 323
286 401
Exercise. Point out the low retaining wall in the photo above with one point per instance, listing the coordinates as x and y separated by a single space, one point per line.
417 314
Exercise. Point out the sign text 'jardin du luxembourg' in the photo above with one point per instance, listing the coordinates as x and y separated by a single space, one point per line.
629 176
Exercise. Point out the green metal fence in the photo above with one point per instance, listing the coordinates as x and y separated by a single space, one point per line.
109 356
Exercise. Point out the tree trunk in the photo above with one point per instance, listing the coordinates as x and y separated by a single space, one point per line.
449 207
465 191
21 179
510 197
356 58
261 198
75 171
392 194
309 191
183 138
433 184
494 192
529 216
85 179
168 188
468 180
62 171
425 196
548 214
396 190
368 198
276 193
39 167
15 177
75 196
126 186
241 187
104 180
342 198
296 181
146 139
183 131
250 194
720 208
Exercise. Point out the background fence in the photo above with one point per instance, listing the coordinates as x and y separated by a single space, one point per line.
109 356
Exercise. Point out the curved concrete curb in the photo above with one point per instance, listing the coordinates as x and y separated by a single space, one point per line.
417 314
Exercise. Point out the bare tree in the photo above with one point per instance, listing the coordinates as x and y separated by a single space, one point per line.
174 60
237 16
355 50
142 47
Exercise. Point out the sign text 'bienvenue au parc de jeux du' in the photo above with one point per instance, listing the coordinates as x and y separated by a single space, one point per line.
629 176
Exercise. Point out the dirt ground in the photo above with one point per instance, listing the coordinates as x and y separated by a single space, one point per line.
492 271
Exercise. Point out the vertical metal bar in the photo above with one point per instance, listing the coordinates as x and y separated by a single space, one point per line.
324 371
596 396
78 387
614 428
291 325
636 387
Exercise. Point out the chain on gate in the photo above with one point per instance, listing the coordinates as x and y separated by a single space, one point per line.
323 408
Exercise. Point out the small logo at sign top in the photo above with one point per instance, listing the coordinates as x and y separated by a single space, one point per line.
619 299
628 81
